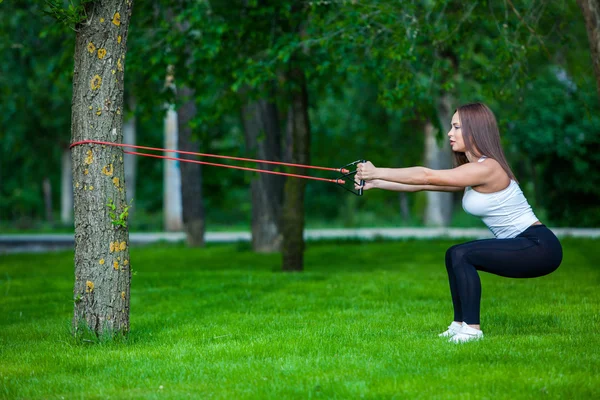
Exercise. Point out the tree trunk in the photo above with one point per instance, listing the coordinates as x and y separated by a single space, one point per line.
439 204
66 189
297 150
191 174
263 140
47 189
190 188
591 14
404 208
173 220
129 134
102 265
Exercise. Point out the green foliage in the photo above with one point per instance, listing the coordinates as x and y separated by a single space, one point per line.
361 321
121 218
70 13
35 87
557 132
375 71
351 124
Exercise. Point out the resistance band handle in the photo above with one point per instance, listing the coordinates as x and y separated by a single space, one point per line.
362 183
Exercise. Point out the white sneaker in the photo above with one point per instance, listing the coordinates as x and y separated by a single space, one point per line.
452 330
466 334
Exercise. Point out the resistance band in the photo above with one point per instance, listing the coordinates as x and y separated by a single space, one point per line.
345 176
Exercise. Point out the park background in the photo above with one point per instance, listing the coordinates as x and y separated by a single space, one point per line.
321 83
382 81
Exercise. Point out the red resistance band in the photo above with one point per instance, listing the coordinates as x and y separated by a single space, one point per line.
340 181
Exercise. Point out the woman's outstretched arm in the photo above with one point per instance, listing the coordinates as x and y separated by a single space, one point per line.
401 187
470 174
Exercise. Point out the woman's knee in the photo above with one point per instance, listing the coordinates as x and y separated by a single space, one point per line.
451 255
456 256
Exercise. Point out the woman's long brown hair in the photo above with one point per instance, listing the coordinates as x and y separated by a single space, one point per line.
481 135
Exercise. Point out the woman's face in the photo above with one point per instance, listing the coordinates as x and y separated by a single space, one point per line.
455 134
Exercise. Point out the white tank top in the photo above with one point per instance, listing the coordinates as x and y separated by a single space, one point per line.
506 213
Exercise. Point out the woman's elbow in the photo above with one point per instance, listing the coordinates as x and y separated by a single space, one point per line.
429 177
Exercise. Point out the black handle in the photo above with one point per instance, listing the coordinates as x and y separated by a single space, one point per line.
362 183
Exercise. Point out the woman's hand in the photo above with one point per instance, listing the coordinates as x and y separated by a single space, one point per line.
368 185
366 171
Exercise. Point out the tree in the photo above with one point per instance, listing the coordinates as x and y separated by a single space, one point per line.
263 139
297 151
102 263
248 46
172 205
591 14
246 34
192 201
287 29
175 50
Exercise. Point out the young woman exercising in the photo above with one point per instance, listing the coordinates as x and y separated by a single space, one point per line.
523 247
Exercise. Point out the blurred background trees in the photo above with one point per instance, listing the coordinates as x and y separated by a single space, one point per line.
326 82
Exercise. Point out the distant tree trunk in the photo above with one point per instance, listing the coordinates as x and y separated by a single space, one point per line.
47 189
439 204
404 209
191 174
102 265
297 150
263 140
410 157
173 219
192 201
66 189
591 14
129 134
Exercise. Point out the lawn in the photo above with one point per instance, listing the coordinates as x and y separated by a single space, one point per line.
360 322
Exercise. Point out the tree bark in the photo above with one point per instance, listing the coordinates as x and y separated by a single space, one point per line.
263 140
66 189
297 150
102 265
439 204
591 14
191 174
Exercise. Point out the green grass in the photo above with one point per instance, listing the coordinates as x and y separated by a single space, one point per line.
360 322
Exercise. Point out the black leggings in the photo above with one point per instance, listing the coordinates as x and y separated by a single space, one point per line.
534 252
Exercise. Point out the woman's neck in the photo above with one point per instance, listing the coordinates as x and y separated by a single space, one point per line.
474 158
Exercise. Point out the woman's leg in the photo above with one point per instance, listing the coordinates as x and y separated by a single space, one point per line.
458 316
521 257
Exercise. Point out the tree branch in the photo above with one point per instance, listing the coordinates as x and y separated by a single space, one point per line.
529 28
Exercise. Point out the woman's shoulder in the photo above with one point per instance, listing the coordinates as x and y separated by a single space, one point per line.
490 163
498 179
492 167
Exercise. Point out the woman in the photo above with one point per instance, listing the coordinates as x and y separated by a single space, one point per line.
523 247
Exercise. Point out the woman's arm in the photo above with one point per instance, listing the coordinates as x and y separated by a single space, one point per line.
401 187
470 174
